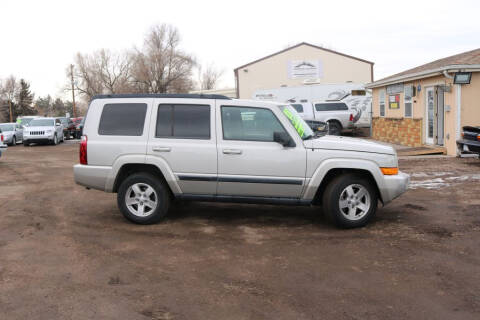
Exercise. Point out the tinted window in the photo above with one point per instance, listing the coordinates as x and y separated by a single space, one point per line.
331 106
123 119
183 121
249 124
298 107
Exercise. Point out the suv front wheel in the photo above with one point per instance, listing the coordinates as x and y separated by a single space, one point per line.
143 199
350 201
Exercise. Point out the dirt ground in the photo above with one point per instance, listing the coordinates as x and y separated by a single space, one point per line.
67 253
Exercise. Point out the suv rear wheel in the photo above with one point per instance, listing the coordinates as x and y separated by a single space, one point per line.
350 201
143 199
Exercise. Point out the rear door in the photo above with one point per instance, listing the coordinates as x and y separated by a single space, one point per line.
249 162
183 135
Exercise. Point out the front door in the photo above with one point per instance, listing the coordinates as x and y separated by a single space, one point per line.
430 115
250 163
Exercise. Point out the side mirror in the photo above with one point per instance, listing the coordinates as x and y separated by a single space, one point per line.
57 124
284 139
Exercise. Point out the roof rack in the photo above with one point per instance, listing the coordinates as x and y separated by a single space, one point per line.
162 95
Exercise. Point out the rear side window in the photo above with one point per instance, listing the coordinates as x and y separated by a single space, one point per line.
298 107
122 119
331 106
183 121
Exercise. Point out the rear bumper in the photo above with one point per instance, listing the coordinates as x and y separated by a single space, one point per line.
94 177
395 185
468 146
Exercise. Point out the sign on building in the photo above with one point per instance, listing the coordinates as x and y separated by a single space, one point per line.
305 69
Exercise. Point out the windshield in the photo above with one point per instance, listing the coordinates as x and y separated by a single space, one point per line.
7 127
302 128
25 121
64 120
41 123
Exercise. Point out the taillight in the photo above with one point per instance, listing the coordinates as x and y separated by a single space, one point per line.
351 117
83 150
1 137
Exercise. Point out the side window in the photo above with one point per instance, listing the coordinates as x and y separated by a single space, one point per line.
183 121
340 106
122 119
381 98
249 124
297 107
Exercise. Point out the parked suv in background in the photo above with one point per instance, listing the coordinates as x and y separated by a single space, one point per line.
68 127
151 149
3 147
12 133
43 130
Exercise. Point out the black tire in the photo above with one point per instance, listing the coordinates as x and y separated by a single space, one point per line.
55 140
335 190
334 128
25 143
14 141
161 192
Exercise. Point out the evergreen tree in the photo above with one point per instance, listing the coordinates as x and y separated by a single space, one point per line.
24 100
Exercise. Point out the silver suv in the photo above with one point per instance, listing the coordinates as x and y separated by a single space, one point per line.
152 149
43 130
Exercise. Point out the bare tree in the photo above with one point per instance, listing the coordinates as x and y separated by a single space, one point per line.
161 66
8 93
208 77
102 72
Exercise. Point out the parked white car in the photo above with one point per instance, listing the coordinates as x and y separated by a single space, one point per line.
43 130
12 133
151 149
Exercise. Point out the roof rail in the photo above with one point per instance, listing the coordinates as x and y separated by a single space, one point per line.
162 95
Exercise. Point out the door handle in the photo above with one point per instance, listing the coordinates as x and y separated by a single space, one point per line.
162 149
232 151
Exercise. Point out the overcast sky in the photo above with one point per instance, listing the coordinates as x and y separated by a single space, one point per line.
39 38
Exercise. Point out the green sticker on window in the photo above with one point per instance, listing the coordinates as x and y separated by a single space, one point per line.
295 120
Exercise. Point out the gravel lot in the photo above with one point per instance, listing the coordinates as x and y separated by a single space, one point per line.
67 253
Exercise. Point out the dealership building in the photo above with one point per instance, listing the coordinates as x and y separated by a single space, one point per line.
301 64
428 105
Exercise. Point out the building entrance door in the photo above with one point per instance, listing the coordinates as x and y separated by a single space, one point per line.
429 115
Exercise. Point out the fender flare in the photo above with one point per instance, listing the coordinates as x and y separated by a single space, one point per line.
142 159
340 163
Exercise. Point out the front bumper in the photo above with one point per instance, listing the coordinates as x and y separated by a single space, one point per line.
38 139
394 186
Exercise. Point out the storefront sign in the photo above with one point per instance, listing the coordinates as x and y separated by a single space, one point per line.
312 69
394 101
395 88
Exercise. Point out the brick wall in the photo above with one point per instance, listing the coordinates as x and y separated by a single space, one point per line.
404 131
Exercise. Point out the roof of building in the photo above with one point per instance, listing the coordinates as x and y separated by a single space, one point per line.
465 59
303 44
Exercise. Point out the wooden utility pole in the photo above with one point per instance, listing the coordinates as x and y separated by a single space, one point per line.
10 106
73 92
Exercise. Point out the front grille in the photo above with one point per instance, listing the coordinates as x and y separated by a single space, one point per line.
37 133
